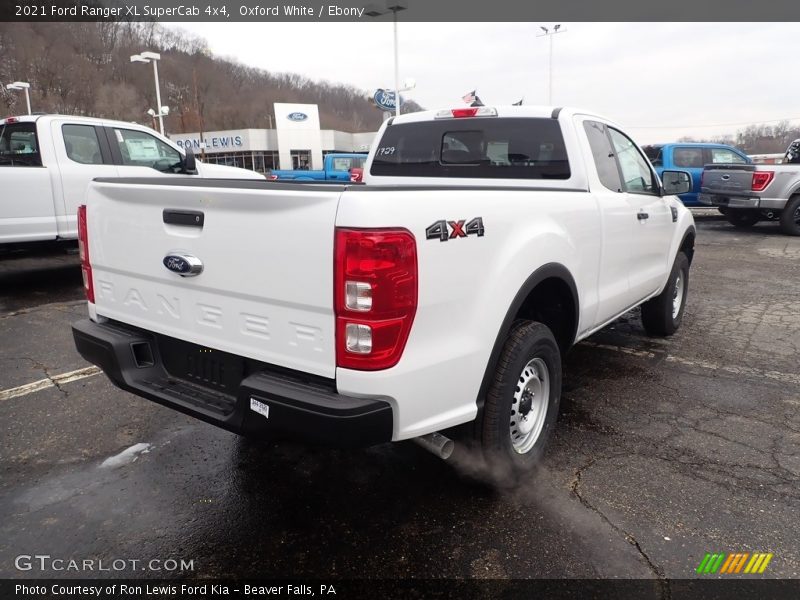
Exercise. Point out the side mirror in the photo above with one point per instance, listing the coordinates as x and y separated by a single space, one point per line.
676 182
188 163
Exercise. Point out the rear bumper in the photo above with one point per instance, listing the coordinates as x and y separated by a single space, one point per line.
741 201
311 411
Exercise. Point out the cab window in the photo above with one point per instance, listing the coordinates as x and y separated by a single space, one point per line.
688 158
725 156
603 155
342 163
140 149
636 173
82 144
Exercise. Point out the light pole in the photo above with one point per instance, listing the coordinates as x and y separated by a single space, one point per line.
22 85
153 114
154 57
550 34
393 6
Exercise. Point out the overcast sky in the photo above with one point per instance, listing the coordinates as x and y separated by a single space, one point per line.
659 80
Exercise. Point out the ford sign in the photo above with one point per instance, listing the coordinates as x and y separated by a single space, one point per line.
297 116
385 100
184 265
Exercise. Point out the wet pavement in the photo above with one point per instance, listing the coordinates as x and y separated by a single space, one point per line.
666 449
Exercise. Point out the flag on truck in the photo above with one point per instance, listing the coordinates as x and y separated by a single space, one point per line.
469 97
519 103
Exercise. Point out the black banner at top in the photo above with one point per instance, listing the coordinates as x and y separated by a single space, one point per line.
405 10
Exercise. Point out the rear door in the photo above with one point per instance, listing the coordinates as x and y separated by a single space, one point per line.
652 225
82 154
27 212
617 218
265 290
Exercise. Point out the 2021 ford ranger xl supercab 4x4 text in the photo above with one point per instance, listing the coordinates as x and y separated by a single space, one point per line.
442 293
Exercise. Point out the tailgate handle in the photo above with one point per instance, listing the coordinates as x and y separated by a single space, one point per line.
642 216
188 218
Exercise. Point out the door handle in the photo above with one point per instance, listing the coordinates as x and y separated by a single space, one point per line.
642 216
190 218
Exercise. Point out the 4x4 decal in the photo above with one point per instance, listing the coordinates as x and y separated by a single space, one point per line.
438 230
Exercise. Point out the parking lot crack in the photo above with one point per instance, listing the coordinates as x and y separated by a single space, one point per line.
44 369
658 572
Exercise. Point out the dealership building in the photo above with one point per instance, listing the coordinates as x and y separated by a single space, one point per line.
297 142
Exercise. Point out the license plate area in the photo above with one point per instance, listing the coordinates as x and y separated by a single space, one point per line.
202 366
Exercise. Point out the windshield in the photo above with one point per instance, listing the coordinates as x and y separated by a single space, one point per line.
19 146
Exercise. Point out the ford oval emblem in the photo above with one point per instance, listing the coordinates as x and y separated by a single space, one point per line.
384 99
184 265
297 116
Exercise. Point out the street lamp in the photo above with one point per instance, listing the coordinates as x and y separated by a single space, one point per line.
393 6
22 85
550 34
152 113
154 57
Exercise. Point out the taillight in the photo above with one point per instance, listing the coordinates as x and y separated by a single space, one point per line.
83 249
273 178
761 179
375 296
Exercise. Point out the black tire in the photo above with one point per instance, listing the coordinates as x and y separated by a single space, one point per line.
790 216
742 217
529 342
658 314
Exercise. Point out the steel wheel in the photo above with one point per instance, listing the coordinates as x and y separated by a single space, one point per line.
677 296
529 407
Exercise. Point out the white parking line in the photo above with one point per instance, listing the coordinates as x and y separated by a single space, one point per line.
737 370
42 384
704 364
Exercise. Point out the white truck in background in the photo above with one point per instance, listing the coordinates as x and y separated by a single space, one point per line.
47 162
433 302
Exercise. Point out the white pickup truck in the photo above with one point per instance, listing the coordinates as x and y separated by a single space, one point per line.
442 293
47 162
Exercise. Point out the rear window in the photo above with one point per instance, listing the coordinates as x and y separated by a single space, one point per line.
487 147
19 146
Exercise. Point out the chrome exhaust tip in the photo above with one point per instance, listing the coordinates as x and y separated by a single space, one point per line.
437 444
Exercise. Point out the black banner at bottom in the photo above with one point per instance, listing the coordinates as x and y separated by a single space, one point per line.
405 589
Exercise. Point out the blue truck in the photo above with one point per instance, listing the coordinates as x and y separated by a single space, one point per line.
337 168
692 157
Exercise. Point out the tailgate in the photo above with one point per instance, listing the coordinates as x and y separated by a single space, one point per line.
266 287
734 179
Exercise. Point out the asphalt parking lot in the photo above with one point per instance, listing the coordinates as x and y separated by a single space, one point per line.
665 450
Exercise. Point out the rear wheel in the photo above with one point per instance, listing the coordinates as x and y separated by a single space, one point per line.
790 216
662 315
742 217
521 407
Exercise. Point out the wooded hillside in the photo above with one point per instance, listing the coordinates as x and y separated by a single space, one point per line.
758 139
85 68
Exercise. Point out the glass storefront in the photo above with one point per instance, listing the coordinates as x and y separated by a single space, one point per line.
262 161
